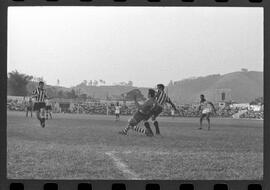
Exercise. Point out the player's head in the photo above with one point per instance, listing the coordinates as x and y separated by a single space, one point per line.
151 93
202 97
41 84
160 87
117 103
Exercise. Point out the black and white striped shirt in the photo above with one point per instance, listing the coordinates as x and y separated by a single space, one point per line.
39 94
162 98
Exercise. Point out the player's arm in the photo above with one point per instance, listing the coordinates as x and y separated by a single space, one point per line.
136 102
34 93
171 103
199 108
212 106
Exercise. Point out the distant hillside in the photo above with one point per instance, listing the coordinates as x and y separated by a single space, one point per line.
107 91
243 86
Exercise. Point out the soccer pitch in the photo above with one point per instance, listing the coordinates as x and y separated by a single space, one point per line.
75 146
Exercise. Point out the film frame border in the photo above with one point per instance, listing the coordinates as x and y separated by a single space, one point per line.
130 184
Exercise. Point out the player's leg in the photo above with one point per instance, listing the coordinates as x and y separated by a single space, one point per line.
156 113
208 120
47 112
31 111
42 114
201 120
37 110
131 123
26 112
50 112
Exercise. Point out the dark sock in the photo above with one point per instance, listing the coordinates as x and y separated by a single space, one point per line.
157 128
147 126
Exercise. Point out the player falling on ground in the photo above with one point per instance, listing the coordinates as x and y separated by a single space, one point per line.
206 108
117 111
40 95
161 98
48 109
29 107
143 114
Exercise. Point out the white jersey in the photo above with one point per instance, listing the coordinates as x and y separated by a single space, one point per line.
117 109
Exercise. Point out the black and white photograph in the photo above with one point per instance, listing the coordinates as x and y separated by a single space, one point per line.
135 93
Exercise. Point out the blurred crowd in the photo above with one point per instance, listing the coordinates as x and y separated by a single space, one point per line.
252 114
109 109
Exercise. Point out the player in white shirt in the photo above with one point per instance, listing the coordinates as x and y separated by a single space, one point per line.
172 113
117 111
206 108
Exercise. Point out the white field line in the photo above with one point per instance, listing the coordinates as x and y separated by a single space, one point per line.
184 153
123 167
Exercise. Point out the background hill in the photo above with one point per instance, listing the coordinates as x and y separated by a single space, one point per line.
243 87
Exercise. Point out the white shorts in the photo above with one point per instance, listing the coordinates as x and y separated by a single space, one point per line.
206 111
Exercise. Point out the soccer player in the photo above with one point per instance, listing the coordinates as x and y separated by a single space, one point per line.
48 109
117 111
29 107
206 108
143 114
40 94
161 98
172 113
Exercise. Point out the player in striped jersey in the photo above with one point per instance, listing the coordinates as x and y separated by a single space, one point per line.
206 108
40 94
161 98
143 114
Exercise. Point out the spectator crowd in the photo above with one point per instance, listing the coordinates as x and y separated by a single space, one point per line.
109 109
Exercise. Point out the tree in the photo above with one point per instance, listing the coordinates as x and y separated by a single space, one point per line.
95 83
257 101
83 96
17 83
90 83
60 94
130 83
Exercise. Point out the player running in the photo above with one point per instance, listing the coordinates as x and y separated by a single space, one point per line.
40 94
143 114
161 98
206 108
117 111
29 107
48 109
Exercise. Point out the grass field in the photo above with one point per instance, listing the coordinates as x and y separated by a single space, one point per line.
88 147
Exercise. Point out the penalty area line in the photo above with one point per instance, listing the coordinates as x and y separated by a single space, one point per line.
122 166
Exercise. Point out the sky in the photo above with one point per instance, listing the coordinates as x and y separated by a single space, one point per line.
146 45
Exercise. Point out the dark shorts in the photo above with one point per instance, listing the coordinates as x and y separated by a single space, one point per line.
48 108
137 118
156 111
29 108
39 105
